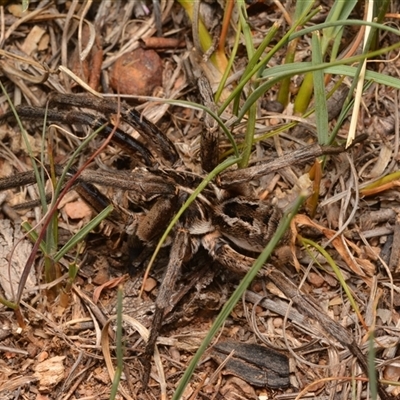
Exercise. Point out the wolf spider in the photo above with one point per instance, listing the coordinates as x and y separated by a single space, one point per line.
226 219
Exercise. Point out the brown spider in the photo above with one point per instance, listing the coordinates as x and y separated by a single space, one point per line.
225 219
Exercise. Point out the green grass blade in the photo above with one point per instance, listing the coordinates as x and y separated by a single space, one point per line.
228 307
72 159
341 24
231 60
283 95
337 272
302 7
248 37
276 74
372 374
248 42
24 134
79 236
261 64
25 5
321 108
33 236
249 137
339 11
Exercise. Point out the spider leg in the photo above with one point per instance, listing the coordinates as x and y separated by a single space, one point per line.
122 139
220 251
21 179
88 192
149 131
179 250
209 150
144 186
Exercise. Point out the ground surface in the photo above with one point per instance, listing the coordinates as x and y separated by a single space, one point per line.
61 352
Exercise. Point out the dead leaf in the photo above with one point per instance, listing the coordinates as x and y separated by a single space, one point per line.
17 382
382 161
42 397
236 388
391 373
16 10
44 355
30 44
50 372
78 210
338 244
44 42
108 285
14 246
150 284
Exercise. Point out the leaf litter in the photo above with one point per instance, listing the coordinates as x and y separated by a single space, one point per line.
60 353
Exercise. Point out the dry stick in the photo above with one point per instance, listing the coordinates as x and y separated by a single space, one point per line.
307 306
177 255
231 178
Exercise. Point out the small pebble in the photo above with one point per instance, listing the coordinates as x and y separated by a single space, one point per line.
315 279
138 73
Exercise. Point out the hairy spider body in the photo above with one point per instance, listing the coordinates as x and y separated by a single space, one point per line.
228 226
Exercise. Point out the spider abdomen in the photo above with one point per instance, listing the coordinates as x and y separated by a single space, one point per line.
248 224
